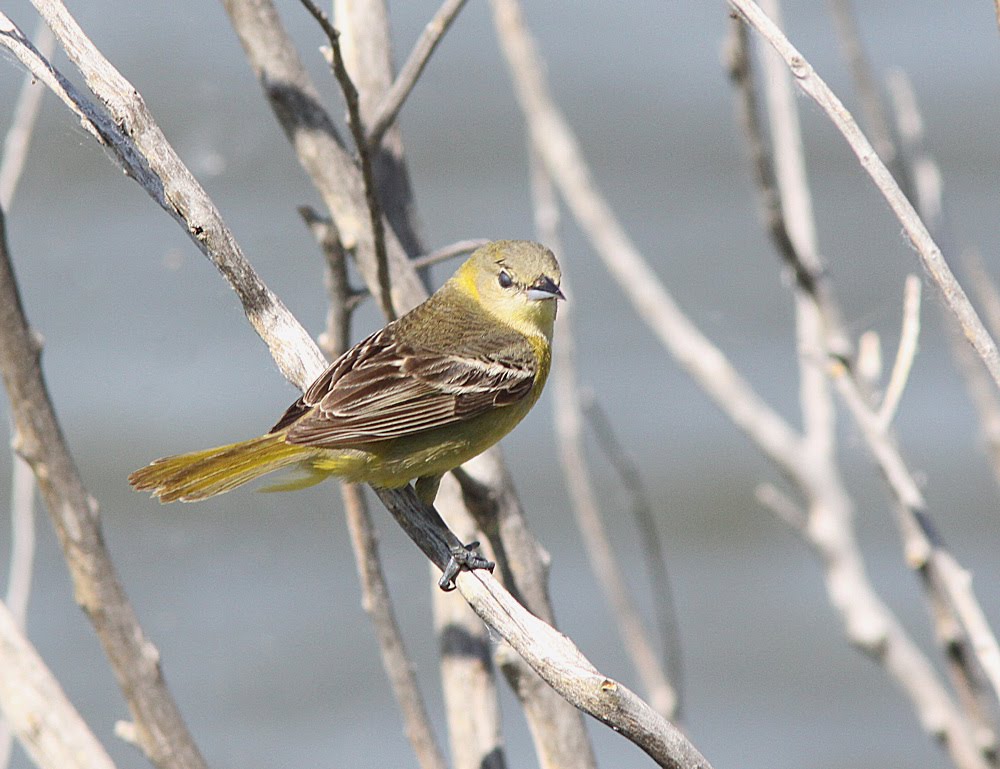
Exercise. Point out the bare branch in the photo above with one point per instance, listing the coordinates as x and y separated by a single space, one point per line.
38 439
652 548
968 643
930 255
568 416
829 524
47 725
364 157
908 335
144 153
458 248
22 126
871 103
377 602
550 654
468 677
392 102
296 103
559 150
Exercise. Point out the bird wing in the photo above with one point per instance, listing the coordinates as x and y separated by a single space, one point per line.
383 389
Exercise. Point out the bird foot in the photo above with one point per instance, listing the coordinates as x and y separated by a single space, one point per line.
463 557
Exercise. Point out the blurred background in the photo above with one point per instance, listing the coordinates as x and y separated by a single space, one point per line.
252 599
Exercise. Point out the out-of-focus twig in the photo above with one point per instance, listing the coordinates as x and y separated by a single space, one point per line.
906 351
930 254
392 101
652 548
568 417
969 644
450 251
870 102
22 495
364 156
47 725
22 126
829 526
38 439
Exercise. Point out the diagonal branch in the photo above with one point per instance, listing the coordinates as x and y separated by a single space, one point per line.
930 254
392 102
38 439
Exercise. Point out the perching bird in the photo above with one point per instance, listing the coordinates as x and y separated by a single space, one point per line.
426 393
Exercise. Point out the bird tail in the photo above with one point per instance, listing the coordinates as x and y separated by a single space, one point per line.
203 474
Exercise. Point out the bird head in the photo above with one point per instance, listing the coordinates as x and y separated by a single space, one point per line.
517 281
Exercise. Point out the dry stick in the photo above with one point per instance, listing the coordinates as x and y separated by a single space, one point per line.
551 654
642 511
908 335
145 154
296 103
364 157
568 418
375 597
392 101
467 673
22 487
793 187
930 254
366 43
47 725
458 248
39 440
928 193
969 645
871 104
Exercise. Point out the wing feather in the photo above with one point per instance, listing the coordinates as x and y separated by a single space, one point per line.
381 390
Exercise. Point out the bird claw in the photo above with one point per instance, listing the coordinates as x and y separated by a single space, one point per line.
463 557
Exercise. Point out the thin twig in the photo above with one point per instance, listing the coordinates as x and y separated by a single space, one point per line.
33 703
364 156
392 101
74 514
908 335
871 103
549 653
830 528
22 126
642 512
568 418
929 252
969 645
458 248
22 495
144 153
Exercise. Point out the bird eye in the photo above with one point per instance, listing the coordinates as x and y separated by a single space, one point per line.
504 279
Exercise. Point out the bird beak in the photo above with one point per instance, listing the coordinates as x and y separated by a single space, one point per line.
544 288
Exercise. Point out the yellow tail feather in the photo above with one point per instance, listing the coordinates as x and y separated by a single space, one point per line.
202 474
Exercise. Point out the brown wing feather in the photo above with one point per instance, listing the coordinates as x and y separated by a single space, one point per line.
381 390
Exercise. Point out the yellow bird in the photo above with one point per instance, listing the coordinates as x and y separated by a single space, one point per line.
429 391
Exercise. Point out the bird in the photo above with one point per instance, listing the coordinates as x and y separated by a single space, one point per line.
414 400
